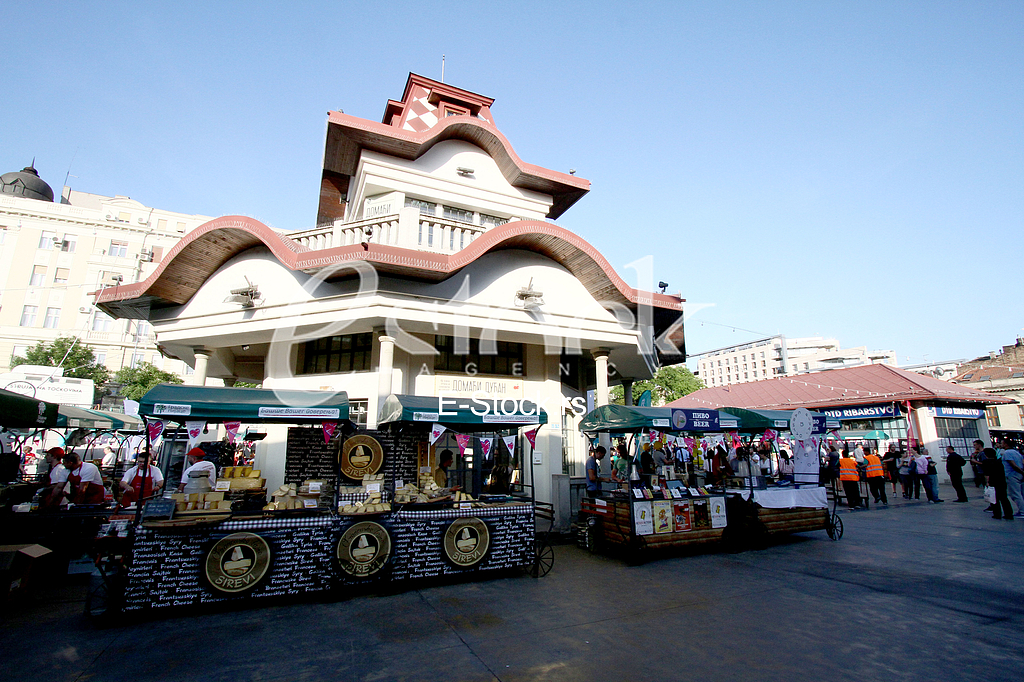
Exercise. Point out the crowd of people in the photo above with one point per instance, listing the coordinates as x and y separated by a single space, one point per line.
1001 469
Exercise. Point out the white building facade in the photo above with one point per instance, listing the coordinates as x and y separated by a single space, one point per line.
776 356
435 271
54 255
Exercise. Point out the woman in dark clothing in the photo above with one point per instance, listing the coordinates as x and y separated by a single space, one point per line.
993 469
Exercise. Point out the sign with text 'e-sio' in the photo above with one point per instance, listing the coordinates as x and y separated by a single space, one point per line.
694 420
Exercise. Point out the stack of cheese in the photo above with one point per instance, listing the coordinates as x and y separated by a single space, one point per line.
374 498
286 497
243 478
198 502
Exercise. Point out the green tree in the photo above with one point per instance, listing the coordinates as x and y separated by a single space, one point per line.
74 357
136 381
668 384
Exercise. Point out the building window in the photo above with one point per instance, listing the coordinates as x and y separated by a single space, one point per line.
502 357
189 370
462 215
124 217
101 359
357 411
807 365
425 207
61 276
52 319
28 316
993 417
101 322
491 220
138 359
46 240
332 354
69 243
118 249
161 224
38 276
19 352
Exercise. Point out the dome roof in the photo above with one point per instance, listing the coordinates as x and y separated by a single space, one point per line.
26 183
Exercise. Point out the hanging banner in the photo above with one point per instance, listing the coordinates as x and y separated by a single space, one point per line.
156 429
463 442
769 436
232 430
329 428
194 429
532 437
734 437
510 443
435 432
485 448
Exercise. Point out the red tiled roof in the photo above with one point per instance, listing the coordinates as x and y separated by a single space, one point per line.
852 386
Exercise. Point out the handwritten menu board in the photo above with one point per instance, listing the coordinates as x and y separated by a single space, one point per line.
167 568
308 456
400 453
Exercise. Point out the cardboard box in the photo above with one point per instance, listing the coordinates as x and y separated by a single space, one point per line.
17 563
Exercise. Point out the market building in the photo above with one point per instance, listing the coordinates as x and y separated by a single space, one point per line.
54 254
871 398
435 270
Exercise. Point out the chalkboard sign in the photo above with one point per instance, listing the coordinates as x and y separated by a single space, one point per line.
309 457
400 453
158 509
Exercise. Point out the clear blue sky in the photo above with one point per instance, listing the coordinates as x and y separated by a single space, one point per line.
847 169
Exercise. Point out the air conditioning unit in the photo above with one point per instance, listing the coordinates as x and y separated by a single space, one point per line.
146 255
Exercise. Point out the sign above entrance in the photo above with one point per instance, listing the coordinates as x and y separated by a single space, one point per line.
879 411
477 387
956 412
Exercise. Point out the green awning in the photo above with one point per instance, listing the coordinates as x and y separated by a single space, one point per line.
630 419
173 402
72 417
467 414
120 421
22 412
759 420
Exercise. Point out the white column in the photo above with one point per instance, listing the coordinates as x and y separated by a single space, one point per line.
202 361
385 370
601 360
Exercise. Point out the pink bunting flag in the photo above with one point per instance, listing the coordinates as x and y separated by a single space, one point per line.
510 443
485 447
232 429
329 429
156 429
735 436
463 441
194 430
689 442
435 432
769 436
532 437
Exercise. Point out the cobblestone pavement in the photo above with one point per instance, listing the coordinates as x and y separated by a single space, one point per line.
914 591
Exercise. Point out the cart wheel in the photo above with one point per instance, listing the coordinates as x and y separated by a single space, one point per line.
835 527
543 559
590 535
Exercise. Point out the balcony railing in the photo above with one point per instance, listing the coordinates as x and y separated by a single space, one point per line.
408 229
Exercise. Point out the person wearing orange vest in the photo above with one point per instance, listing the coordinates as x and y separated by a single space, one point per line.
850 478
875 476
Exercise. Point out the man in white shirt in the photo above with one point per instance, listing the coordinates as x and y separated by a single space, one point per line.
85 483
140 481
196 461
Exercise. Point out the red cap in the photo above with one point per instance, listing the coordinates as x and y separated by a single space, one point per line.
198 453
55 452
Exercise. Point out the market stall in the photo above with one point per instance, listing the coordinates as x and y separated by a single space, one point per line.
356 509
666 514
775 505
491 467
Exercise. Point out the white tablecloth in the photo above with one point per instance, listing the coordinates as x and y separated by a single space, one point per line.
787 498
